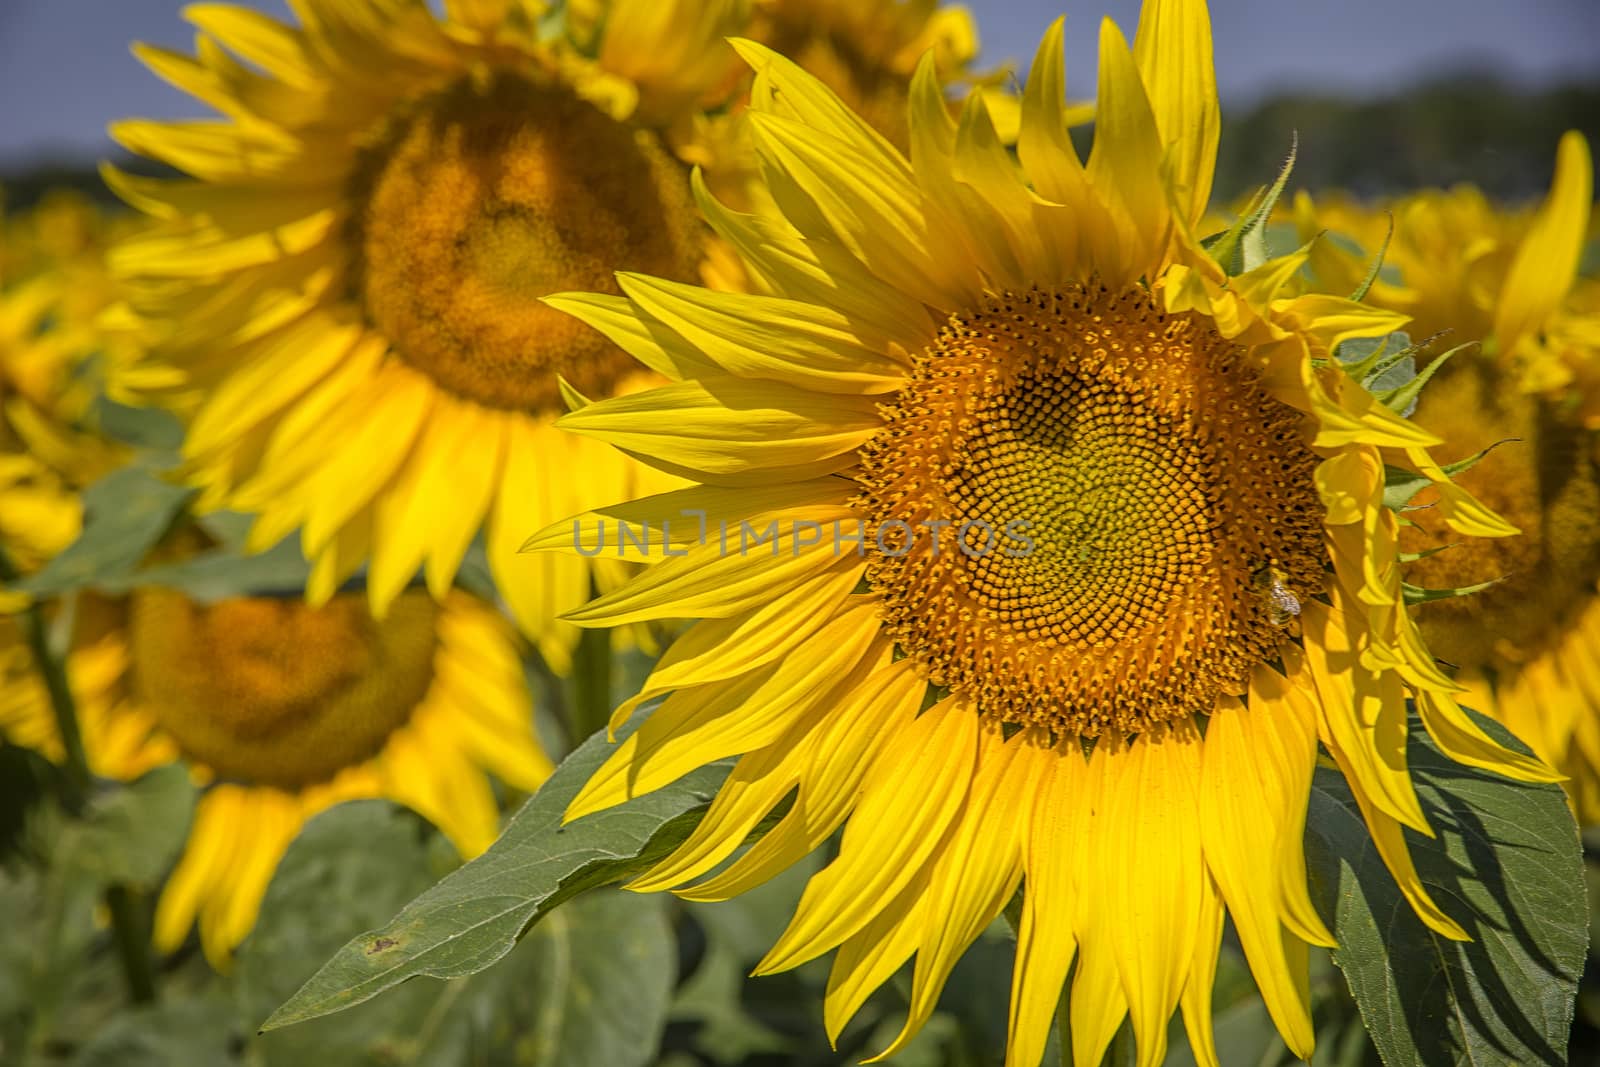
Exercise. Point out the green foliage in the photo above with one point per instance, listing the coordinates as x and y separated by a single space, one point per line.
474 916
1505 865
125 514
132 835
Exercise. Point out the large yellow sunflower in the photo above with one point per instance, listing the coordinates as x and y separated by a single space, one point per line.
282 710
1123 557
348 288
1527 647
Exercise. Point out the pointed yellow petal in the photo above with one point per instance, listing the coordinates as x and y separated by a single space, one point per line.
1173 51
907 804
1547 260
1046 939
731 426
1125 163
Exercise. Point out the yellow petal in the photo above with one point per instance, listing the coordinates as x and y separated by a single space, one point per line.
1547 260
1173 51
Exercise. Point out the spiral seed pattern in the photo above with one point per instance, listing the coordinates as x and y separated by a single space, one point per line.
1110 483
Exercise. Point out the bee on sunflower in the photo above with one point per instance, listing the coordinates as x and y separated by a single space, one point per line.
1526 645
1016 449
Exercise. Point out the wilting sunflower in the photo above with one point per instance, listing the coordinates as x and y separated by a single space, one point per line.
1136 470
348 287
1528 646
282 710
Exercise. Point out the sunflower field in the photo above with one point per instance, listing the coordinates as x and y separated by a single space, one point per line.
742 533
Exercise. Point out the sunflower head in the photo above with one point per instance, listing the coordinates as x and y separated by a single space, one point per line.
1039 542
1470 271
343 295
280 710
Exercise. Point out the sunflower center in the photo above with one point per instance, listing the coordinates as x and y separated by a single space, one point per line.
1544 479
275 692
1126 518
491 194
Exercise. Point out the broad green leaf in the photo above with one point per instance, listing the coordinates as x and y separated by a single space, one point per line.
602 972
220 573
131 835
125 514
150 428
1506 866
589 987
474 916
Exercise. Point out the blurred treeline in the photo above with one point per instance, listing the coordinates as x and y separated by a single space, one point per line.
1462 127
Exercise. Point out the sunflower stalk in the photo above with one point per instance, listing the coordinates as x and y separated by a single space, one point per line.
75 778
127 927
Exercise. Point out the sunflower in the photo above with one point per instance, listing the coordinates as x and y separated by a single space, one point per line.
1029 546
866 52
52 286
1469 271
1527 647
347 291
281 710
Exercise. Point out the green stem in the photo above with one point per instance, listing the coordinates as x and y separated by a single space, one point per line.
132 935
128 929
75 776
591 683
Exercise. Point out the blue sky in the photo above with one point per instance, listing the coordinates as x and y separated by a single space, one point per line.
65 69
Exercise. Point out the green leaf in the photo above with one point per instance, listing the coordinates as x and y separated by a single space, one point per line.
141 427
589 987
602 973
219 573
131 835
475 915
125 514
734 1017
1380 364
1505 865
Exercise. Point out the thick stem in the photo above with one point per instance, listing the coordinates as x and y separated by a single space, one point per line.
131 932
127 926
